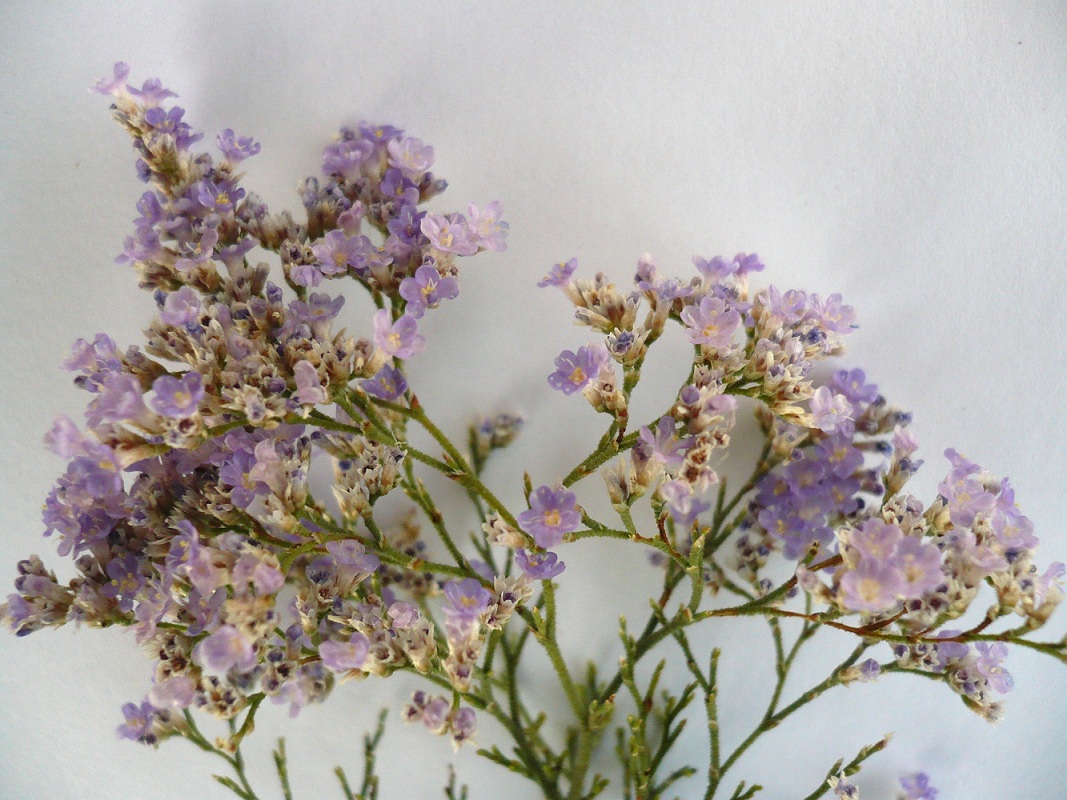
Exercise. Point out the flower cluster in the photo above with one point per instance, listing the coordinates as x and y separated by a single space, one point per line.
187 508
185 503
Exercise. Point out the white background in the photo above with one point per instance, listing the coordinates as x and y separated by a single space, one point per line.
909 155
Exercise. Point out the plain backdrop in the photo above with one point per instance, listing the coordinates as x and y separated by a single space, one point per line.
911 156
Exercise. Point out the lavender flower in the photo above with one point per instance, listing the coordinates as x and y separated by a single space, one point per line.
450 234
712 323
426 290
917 787
560 274
225 649
400 339
387 384
181 307
234 148
539 566
552 514
410 156
574 371
465 601
343 656
177 398
830 412
490 230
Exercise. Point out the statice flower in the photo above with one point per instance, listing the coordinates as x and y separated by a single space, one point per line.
917 787
387 384
426 289
552 514
225 649
344 656
489 227
450 234
539 566
234 148
400 339
712 323
560 274
574 371
177 398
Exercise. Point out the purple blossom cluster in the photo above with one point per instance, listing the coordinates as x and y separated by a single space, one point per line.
185 502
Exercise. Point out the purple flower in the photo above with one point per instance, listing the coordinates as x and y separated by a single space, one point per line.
116 83
965 496
170 123
178 691
853 385
876 540
195 254
65 439
917 787
343 158
713 323
684 506
379 133
719 269
560 274
450 234
426 290
139 722
830 412
831 315
404 615
574 371
872 586
401 338
869 670
489 229
308 387
410 156
352 556
990 654
227 648
540 566
219 197
347 655
920 566
177 398
152 92
552 513
338 252
126 580
181 307
234 148
465 600
464 725
119 400
387 384
664 445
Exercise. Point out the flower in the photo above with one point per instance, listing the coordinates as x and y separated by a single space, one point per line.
388 383
552 513
560 274
225 649
343 656
712 323
450 234
177 398
401 338
574 371
540 566
465 600
426 290
234 148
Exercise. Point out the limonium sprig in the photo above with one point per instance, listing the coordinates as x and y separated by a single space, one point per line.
187 510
